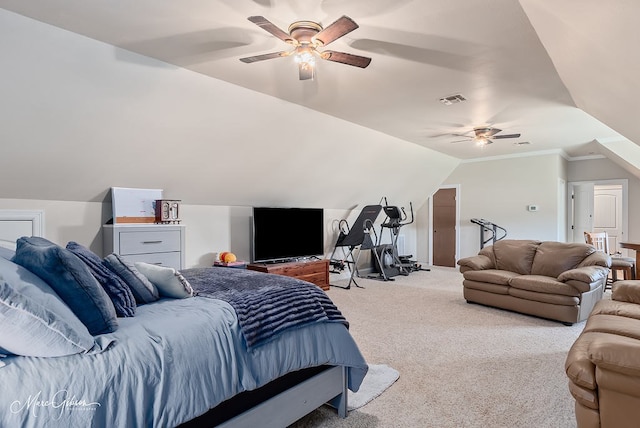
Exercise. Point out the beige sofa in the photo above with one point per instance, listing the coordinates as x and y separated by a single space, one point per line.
552 280
603 365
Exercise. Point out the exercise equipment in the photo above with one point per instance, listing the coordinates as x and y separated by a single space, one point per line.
487 226
388 262
356 238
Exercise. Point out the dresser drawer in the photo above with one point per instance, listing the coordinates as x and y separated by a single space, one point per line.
143 242
160 259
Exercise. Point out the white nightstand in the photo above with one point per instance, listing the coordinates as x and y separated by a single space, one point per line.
160 244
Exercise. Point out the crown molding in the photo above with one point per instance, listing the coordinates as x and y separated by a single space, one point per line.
558 152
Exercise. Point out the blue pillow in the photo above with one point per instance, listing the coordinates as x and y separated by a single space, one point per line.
32 329
33 287
118 291
71 280
143 290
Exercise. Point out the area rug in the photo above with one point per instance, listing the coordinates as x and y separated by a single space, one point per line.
378 379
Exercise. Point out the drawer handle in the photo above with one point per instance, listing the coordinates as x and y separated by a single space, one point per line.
157 263
152 242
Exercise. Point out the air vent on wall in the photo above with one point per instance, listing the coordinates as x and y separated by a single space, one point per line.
452 99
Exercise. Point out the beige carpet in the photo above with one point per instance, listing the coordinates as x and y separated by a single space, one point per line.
460 364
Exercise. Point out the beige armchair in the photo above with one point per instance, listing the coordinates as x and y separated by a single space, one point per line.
603 365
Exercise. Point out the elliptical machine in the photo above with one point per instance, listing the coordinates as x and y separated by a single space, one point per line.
388 262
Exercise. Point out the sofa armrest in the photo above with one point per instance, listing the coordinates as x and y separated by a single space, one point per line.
597 258
616 353
586 274
626 291
478 262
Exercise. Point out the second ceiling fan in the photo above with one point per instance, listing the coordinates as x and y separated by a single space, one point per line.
307 37
485 135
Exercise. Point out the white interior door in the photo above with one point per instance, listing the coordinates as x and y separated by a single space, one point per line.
582 209
607 214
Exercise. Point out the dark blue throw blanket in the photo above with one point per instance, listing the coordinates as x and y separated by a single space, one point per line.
266 304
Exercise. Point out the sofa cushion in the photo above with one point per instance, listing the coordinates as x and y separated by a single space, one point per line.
613 307
626 291
515 255
543 284
534 296
553 258
614 324
485 286
493 276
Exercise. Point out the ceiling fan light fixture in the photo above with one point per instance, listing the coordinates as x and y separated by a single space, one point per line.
304 55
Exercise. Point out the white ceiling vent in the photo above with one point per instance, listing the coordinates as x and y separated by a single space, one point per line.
452 99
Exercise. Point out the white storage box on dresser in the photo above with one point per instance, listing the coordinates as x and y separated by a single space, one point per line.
159 244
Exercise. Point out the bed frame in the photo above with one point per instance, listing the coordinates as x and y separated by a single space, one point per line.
290 405
277 404
281 402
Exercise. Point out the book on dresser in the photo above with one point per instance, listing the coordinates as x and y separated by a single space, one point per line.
314 271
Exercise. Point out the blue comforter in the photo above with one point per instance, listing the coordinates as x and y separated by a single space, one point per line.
173 361
266 305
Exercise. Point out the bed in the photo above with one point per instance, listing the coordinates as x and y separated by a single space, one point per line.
178 361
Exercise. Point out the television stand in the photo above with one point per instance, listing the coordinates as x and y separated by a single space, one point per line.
314 271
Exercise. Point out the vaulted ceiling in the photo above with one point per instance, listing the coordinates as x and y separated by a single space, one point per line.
544 69
561 74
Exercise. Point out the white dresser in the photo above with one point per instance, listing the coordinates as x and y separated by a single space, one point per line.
160 244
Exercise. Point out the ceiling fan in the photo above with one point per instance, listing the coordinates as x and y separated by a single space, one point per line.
485 135
307 37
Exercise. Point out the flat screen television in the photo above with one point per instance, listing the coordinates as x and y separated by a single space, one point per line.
284 234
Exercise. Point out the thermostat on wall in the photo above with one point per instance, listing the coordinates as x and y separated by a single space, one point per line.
532 207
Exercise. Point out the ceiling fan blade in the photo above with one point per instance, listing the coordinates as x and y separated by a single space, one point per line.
461 141
345 58
506 136
306 71
250 59
270 27
336 30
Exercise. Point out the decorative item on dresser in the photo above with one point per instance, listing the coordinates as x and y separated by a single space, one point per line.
314 271
167 211
159 244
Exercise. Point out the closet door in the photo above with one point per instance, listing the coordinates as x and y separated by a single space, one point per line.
444 228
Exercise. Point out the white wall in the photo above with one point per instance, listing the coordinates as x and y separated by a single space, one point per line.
500 191
209 229
497 190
